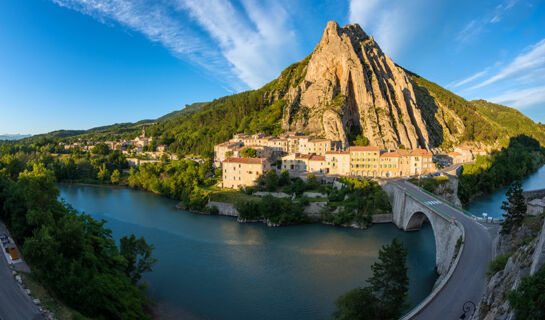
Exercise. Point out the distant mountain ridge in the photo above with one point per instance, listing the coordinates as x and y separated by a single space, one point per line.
14 136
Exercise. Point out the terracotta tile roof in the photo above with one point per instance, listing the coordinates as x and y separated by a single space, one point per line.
317 158
368 148
390 154
454 154
303 156
338 152
246 160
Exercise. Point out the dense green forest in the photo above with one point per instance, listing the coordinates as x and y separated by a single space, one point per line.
71 254
522 156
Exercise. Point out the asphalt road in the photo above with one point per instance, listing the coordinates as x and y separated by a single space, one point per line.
14 303
468 281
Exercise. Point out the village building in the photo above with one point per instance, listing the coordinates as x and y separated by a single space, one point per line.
338 162
243 172
225 150
364 161
389 164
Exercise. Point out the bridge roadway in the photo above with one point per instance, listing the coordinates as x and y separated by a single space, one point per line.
468 280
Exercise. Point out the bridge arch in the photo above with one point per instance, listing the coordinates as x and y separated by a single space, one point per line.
409 213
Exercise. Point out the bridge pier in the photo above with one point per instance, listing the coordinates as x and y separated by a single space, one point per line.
409 213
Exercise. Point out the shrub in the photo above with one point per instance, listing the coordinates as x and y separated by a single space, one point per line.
498 263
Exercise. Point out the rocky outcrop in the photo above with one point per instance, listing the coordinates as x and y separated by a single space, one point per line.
351 86
526 248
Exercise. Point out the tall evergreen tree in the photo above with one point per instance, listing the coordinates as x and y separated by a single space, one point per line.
390 282
514 207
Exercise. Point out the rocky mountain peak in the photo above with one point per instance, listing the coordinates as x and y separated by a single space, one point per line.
351 87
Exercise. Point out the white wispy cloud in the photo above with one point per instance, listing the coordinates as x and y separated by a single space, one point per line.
390 22
244 47
467 80
521 99
257 46
476 26
531 59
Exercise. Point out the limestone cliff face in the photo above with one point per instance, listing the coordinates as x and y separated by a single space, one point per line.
351 86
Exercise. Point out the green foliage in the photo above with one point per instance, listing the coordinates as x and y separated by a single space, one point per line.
515 207
360 200
357 304
275 210
386 295
248 153
100 149
284 178
115 177
477 127
137 253
271 180
510 122
72 254
498 263
522 156
528 300
183 180
429 184
103 174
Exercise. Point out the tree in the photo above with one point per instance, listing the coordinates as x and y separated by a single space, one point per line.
228 154
103 173
100 149
385 297
390 282
248 153
137 253
361 140
357 304
515 207
284 179
116 177
271 180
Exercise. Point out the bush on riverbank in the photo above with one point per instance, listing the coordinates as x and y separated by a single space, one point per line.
430 184
357 202
523 156
276 211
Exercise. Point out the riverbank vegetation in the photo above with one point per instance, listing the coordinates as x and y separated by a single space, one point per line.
521 157
356 202
72 254
385 297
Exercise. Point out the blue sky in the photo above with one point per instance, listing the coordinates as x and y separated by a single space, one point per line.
77 64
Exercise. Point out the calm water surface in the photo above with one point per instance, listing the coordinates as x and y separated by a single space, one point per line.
491 203
211 267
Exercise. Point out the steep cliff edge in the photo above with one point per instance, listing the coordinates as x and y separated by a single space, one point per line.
523 252
350 86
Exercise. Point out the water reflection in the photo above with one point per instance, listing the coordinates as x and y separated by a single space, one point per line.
211 267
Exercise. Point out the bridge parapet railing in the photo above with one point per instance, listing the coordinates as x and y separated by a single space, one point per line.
434 209
466 212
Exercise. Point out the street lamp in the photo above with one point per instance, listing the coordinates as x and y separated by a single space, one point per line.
469 310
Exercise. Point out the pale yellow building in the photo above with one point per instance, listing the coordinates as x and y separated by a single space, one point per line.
338 162
317 164
364 161
243 172
389 164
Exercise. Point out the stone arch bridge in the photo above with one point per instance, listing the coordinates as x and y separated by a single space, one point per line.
462 272
410 212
